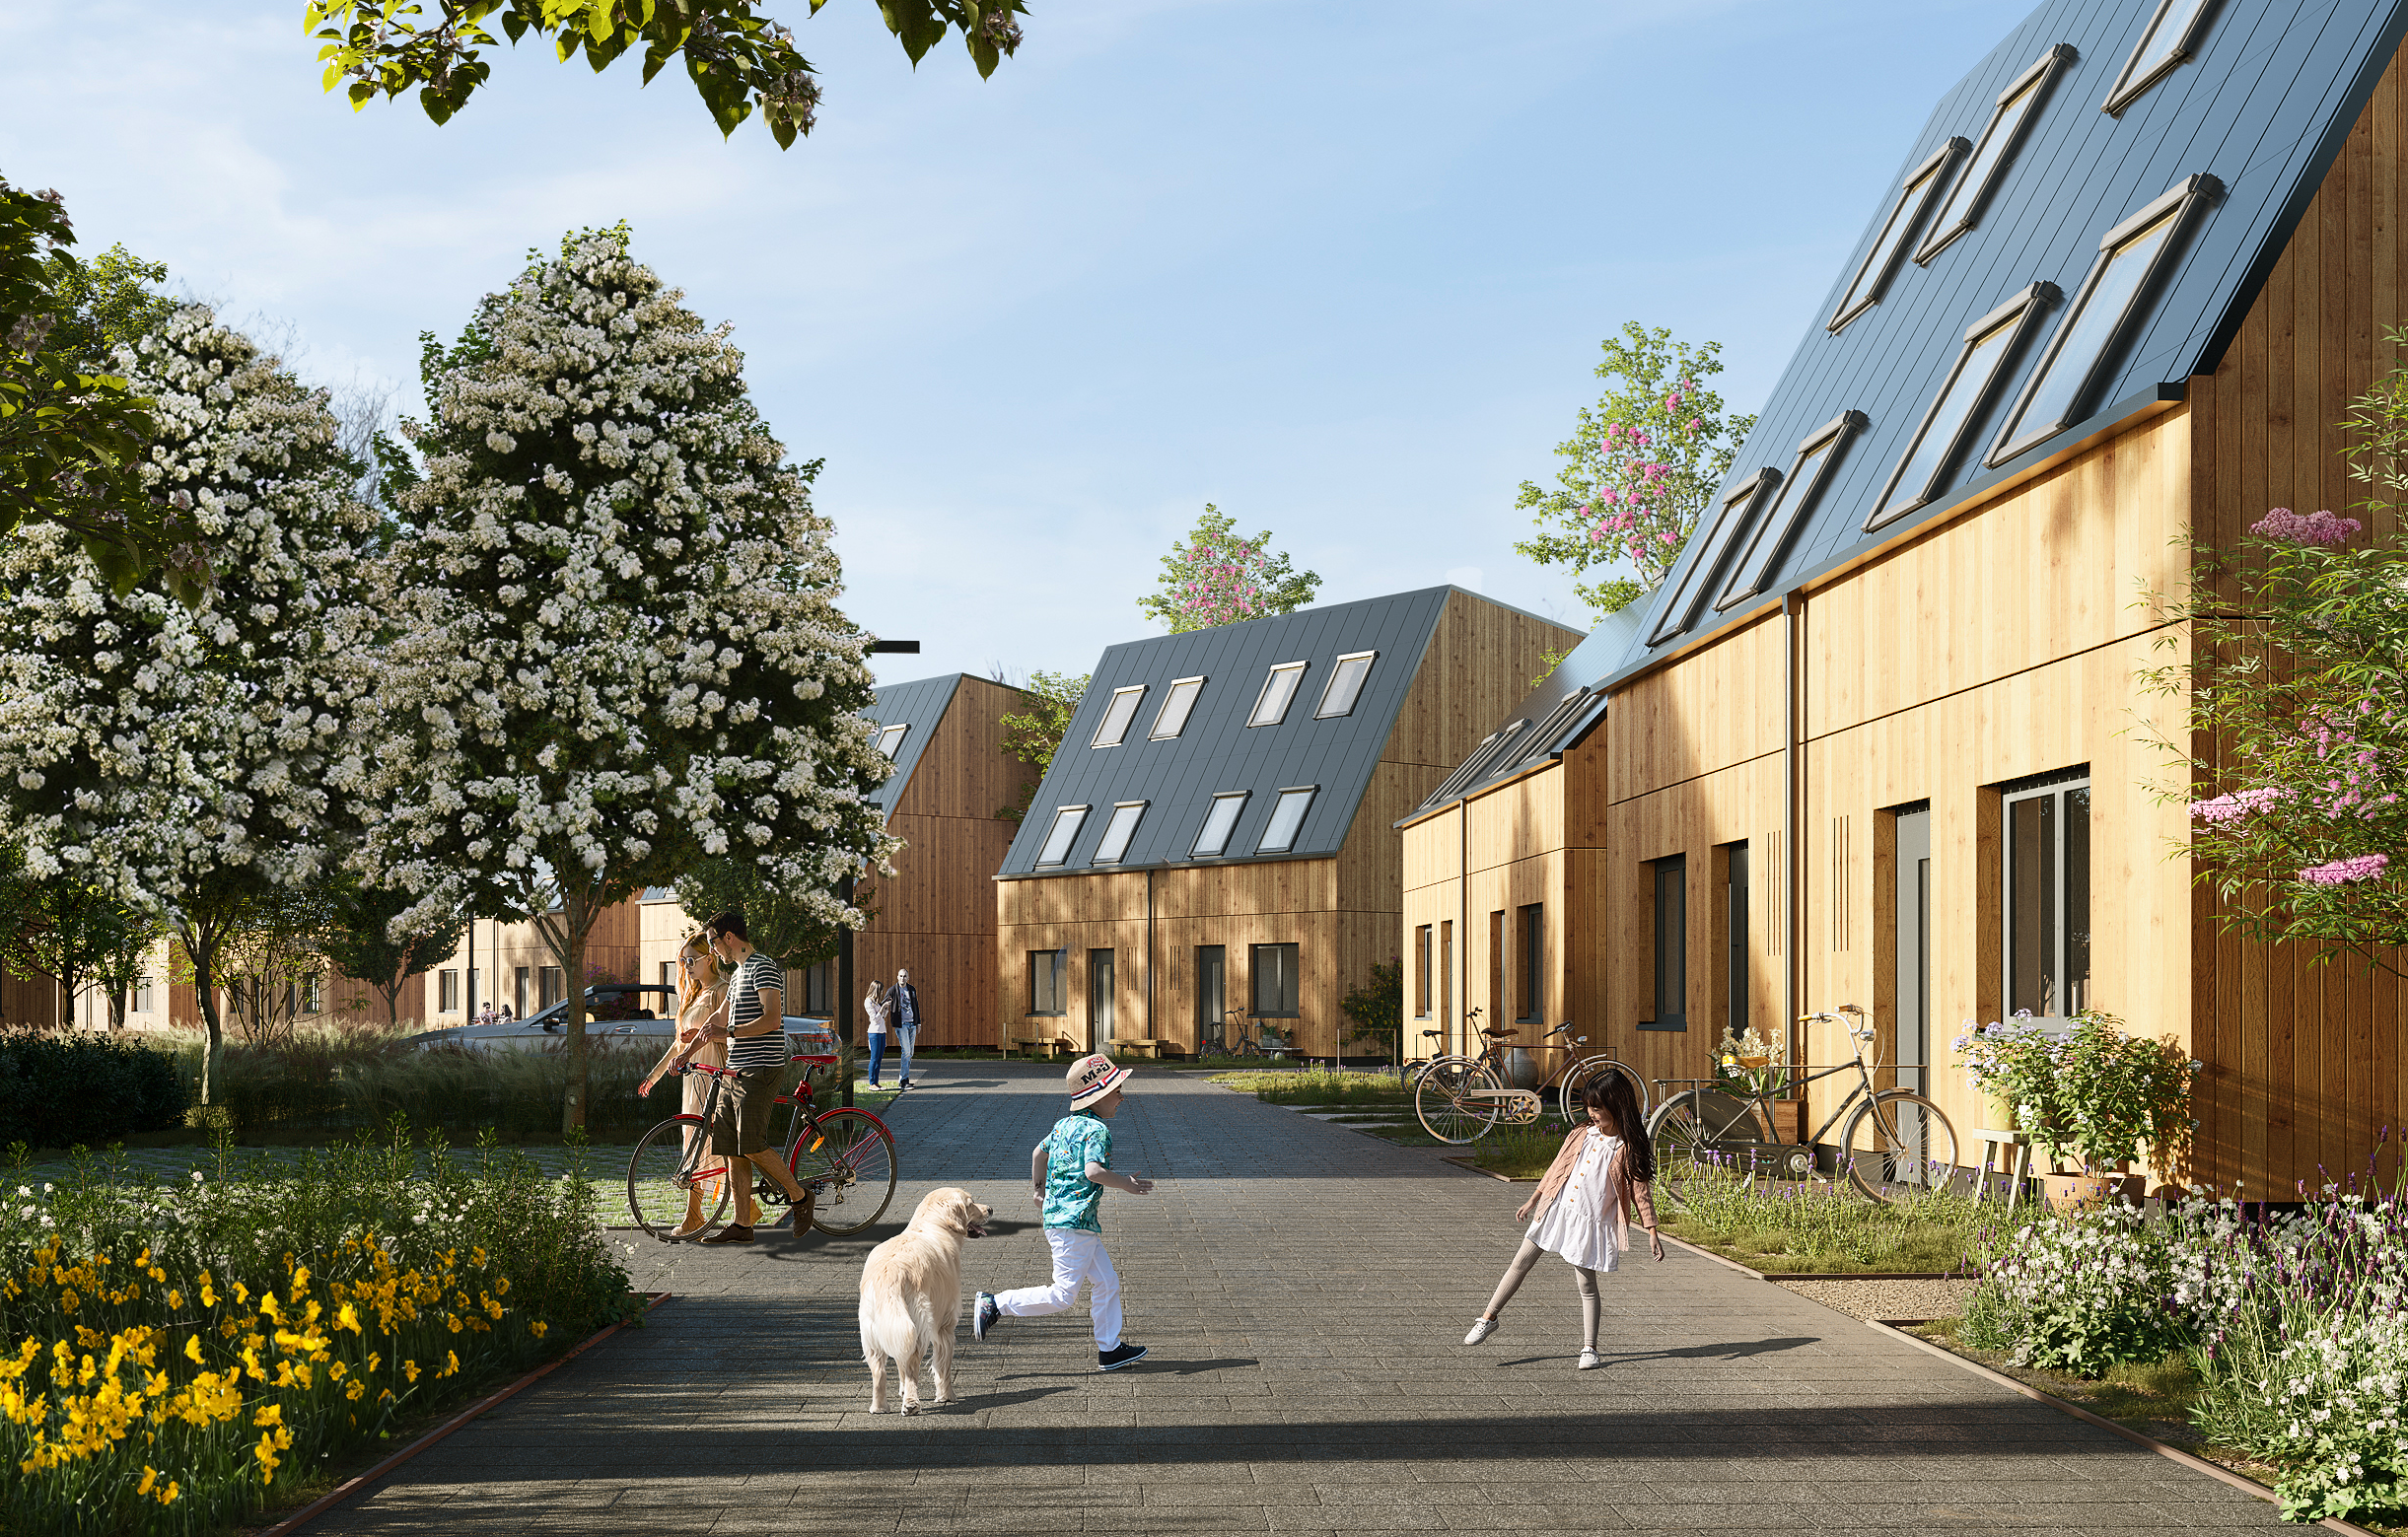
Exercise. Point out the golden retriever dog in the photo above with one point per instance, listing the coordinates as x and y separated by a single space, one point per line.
911 1296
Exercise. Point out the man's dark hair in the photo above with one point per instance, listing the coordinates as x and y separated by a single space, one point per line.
729 922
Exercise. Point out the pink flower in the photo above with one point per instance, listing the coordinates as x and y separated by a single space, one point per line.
2315 528
2342 871
2233 807
1693 421
1672 402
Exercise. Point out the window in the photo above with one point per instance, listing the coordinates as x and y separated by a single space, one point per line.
518 994
1817 454
1177 704
1219 823
141 1001
1345 684
548 980
1421 972
1906 213
1271 706
1118 831
2130 258
819 990
890 739
446 991
1734 937
1275 981
1048 980
1704 568
1118 714
2048 941
1463 776
1552 727
1671 878
1534 927
1287 819
2170 41
1066 820
1991 345
2018 105
669 974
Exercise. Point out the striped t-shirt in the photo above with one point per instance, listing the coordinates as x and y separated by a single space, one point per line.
767 1050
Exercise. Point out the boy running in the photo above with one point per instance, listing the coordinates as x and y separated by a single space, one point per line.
1070 1170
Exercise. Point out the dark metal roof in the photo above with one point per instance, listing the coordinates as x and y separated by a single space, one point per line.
1218 752
2271 89
919 706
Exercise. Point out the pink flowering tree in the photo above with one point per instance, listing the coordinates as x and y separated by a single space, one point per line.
1641 467
1217 576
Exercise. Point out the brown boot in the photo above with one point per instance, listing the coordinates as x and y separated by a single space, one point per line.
734 1232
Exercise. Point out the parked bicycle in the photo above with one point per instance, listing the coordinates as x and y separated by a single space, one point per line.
1890 1135
1460 1099
844 1159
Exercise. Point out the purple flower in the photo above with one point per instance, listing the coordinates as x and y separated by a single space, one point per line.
2315 528
2342 871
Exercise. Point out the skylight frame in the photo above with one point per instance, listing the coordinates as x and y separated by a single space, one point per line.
1180 693
1906 215
1462 773
2018 317
2180 204
1295 671
1236 811
2140 74
1113 847
1337 675
1544 734
1055 849
1113 729
1301 798
1966 199
891 738
1826 447
1697 578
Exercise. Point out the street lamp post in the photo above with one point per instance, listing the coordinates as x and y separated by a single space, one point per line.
844 936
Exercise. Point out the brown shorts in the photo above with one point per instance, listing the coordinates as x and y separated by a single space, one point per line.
740 1128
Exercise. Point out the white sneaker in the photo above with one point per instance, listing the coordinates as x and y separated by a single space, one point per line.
1589 1360
1481 1329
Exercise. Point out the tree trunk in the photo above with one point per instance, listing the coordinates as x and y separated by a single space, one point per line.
204 960
580 917
392 1001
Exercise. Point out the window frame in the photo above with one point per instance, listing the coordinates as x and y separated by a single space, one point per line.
2131 84
1530 930
1337 675
1670 874
2182 203
1787 513
1190 689
2019 316
1422 954
1286 793
447 992
1739 507
1293 994
2070 988
1255 717
1916 190
1195 849
1135 694
1048 971
1067 820
1106 851
141 1001
2036 83
891 738
1546 731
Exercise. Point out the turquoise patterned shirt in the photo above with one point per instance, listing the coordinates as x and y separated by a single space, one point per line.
1071 1198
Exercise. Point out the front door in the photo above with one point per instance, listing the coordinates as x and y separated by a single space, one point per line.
1913 1012
1098 1000
1212 991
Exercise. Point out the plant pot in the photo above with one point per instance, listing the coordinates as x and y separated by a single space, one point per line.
1998 1113
2074 1192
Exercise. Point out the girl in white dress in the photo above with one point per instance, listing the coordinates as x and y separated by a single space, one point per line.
1603 1170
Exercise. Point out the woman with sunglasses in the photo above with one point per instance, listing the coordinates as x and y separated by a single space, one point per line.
701 989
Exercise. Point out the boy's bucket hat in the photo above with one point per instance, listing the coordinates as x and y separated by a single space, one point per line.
1092 1078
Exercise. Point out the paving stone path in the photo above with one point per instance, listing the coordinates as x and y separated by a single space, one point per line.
1303 1287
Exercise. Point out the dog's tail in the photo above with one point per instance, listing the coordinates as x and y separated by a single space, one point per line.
891 1324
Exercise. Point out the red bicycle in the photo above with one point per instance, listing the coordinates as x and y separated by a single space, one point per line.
844 1159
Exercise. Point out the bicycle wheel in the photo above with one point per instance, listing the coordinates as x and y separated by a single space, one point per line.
1578 1076
1899 1140
658 1181
848 1163
1439 1100
1700 1127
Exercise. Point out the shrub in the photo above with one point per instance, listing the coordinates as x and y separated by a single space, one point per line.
2087 1291
58 1091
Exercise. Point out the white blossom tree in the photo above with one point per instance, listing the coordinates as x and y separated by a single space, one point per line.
187 759
618 650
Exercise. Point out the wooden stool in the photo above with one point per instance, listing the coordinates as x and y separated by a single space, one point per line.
2016 1160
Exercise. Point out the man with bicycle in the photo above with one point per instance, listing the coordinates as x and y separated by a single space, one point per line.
752 1021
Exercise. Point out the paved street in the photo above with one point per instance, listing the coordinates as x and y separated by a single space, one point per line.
1303 1287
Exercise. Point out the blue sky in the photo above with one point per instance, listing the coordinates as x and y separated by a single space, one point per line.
1340 268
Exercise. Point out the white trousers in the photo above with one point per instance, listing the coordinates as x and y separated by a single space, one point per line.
1078 1255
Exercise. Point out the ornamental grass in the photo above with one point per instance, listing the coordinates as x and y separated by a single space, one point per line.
180 1356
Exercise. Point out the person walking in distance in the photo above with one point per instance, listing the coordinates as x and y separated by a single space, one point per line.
906 1001
877 1012
1071 1169
1603 1170
752 1023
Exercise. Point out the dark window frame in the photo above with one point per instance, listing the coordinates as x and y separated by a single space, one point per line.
1291 994
1102 998
1196 849
1740 506
1826 446
2132 82
1172 694
1106 853
1280 799
2182 204
1916 191
2019 317
2035 84
1254 717
2070 980
1069 835
1422 954
1049 976
1135 693
1530 932
1670 896
1338 673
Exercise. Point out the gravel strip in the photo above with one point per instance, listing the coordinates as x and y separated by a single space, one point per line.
1886 1298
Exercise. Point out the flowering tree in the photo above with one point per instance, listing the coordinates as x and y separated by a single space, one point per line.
186 759
1638 469
617 649
1217 577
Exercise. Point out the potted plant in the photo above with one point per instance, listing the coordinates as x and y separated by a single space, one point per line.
2009 1063
2088 1097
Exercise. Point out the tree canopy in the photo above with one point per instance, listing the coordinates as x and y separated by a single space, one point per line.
1034 734
1217 576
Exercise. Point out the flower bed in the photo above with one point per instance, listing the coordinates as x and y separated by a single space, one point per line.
177 1356
1822 1226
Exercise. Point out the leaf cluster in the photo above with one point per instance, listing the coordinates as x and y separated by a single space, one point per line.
1219 577
360 941
1035 734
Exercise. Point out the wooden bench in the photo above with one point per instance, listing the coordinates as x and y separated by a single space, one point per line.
1051 1045
1150 1048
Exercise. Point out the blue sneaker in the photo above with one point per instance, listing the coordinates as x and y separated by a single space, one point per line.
1118 1357
983 1317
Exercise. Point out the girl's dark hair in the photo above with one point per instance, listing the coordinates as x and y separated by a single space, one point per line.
1611 1092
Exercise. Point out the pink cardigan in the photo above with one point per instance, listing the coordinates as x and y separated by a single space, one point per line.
1630 1193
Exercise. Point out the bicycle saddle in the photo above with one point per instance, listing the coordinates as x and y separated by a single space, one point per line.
1499 1035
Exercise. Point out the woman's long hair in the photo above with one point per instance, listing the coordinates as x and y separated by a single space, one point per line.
697 980
1611 1092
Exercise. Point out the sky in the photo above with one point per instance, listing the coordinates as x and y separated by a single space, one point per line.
1339 268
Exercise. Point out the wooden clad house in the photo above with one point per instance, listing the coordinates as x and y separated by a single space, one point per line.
1215 832
1878 738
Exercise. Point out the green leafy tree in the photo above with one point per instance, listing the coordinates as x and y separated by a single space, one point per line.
274 951
1638 469
360 941
1217 577
1034 734
1377 1008
738 58
122 968
796 934
106 304
67 929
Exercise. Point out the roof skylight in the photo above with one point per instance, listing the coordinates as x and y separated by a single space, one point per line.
1179 702
890 739
1553 727
1118 831
2170 41
1287 819
2018 105
1271 705
2131 257
1817 454
1463 774
1991 345
1906 212
1345 684
1118 714
1712 550
1218 822
1066 822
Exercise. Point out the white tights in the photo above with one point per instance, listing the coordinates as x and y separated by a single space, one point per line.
1523 1259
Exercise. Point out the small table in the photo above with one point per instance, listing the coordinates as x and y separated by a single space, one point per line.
2015 1159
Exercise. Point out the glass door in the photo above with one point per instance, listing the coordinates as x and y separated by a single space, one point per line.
1212 993
1098 1000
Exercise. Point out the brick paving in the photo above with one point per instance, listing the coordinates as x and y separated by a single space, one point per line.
1303 1287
